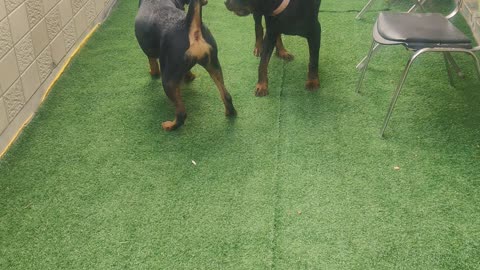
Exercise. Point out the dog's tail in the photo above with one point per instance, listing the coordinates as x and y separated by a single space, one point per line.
199 48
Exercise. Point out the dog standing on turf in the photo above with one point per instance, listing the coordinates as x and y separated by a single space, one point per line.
290 17
178 41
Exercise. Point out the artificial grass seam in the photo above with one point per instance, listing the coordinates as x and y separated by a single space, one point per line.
276 187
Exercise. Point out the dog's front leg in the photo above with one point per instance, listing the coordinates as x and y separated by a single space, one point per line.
313 82
268 44
258 34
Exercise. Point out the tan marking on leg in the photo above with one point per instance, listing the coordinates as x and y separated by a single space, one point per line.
258 40
154 67
189 77
180 114
281 51
199 48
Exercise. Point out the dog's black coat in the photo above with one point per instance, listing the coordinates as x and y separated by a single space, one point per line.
178 41
299 18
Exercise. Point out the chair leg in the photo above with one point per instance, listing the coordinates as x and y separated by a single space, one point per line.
398 90
418 3
449 70
365 67
364 9
362 63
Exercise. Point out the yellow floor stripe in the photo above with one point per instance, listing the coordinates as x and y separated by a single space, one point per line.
87 37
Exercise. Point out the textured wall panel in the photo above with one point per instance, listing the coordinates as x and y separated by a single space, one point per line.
3 116
3 9
45 64
12 4
8 71
35 11
6 42
99 5
54 23
49 4
14 99
30 81
40 37
58 49
65 8
19 23
70 35
25 54
77 5
81 22
90 10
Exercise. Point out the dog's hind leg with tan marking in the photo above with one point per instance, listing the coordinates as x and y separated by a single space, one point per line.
202 51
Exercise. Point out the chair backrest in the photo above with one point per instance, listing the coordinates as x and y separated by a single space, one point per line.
458 6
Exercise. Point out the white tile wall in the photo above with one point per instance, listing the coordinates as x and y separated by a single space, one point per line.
35 37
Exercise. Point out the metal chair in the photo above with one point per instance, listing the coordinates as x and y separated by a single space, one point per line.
436 34
417 3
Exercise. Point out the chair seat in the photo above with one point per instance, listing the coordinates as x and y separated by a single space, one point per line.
420 30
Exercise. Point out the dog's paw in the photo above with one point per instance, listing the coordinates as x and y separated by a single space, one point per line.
285 55
231 112
257 51
261 90
155 74
169 125
312 85
189 77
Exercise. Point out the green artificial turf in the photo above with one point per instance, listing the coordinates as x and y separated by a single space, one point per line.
298 180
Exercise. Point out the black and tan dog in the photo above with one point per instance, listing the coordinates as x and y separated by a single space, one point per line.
290 17
178 41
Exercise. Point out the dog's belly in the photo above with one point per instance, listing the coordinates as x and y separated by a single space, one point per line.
294 28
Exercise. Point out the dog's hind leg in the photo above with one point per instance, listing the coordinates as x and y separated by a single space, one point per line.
189 77
172 89
281 51
313 82
215 71
154 67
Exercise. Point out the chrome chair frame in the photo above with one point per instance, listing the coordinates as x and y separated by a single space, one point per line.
446 54
418 3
